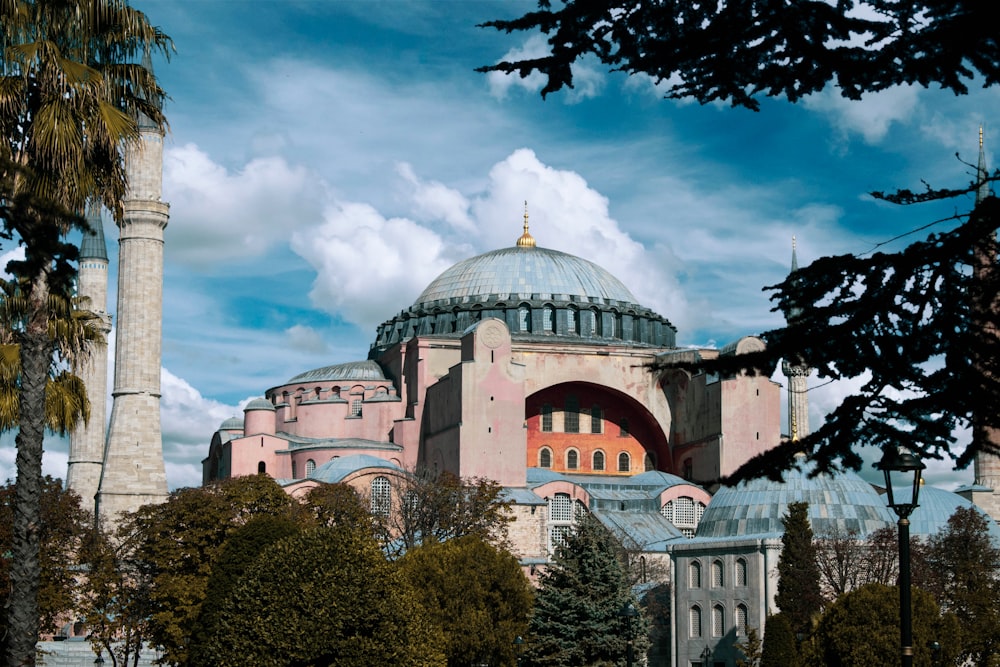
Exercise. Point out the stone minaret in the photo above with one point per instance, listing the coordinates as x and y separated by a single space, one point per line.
798 375
987 464
86 446
133 473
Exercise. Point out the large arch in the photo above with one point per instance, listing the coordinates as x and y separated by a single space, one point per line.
626 426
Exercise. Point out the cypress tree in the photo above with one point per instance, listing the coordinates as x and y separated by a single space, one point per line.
798 595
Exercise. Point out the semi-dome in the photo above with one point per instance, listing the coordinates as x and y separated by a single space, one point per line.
232 424
360 371
526 272
842 502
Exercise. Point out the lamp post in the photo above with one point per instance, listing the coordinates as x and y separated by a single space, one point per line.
901 465
706 655
518 647
628 612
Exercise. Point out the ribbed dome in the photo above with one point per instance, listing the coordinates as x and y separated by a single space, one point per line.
361 371
523 271
843 502
232 424
259 404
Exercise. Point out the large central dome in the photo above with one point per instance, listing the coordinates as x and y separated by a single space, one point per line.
526 273
538 293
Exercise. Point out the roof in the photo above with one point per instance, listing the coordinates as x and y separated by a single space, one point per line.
259 404
93 245
648 531
339 468
359 371
525 273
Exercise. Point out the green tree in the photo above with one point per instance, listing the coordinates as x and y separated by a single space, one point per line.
476 593
780 647
241 550
69 100
430 506
326 596
798 595
338 505
962 570
64 524
738 51
576 619
176 545
752 649
917 328
862 628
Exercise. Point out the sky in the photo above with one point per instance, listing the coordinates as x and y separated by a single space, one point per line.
327 160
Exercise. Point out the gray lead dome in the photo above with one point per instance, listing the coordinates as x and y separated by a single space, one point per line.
526 273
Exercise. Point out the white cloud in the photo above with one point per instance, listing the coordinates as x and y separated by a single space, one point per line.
306 339
871 116
188 421
500 84
432 201
368 266
218 216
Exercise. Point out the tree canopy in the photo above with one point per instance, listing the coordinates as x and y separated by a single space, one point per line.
738 51
576 619
476 593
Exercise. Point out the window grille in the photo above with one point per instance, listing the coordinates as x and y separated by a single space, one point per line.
560 508
695 621
718 621
741 572
310 468
547 418
741 620
356 407
717 579
381 493
694 575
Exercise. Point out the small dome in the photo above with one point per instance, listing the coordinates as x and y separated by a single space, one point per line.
232 424
360 371
837 503
936 507
259 404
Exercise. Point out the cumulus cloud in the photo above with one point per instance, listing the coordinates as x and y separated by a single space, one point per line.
368 266
870 117
188 421
306 339
432 201
219 216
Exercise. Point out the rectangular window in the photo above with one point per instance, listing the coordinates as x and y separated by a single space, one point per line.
572 415
356 407
596 420
546 418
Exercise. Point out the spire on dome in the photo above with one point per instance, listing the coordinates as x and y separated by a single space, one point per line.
982 174
526 240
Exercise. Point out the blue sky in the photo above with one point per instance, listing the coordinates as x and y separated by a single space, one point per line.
327 160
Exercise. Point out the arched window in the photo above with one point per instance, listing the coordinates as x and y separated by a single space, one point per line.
546 418
694 574
598 460
648 462
261 468
548 319
596 419
523 318
571 415
741 572
381 493
572 321
741 620
572 459
685 513
717 578
694 621
598 329
544 457
718 621
310 468
624 462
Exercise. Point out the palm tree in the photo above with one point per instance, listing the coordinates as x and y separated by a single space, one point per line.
70 97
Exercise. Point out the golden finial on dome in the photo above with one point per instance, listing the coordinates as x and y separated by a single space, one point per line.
526 240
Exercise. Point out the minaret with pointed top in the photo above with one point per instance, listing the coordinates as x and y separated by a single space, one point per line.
987 465
133 473
798 375
86 445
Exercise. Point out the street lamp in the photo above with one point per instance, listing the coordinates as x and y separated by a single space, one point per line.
706 655
901 466
518 647
628 612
